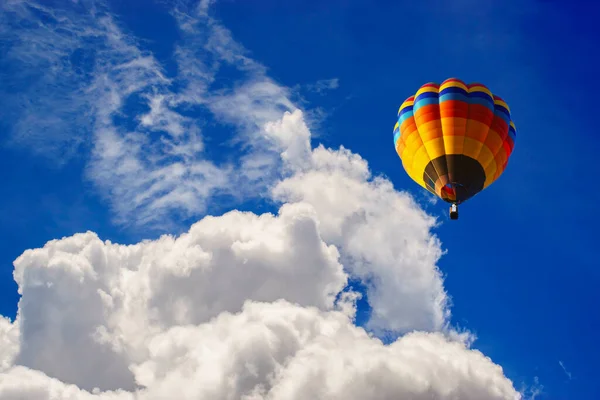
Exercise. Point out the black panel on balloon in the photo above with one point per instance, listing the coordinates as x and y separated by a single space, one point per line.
465 176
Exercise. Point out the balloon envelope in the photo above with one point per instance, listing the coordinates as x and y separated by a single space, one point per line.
454 139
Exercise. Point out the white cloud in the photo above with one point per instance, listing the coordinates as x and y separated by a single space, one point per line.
114 297
147 179
92 84
24 383
384 237
281 351
9 342
161 117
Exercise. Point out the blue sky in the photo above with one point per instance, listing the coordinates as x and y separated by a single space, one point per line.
520 265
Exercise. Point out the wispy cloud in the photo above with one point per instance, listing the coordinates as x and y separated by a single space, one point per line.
44 69
533 391
565 370
147 160
250 102
144 129
323 85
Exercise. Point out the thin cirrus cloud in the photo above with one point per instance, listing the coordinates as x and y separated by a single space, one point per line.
241 305
95 87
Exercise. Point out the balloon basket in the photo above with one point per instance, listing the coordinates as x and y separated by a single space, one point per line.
453 211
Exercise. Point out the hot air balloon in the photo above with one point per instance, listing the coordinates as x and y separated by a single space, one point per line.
454 139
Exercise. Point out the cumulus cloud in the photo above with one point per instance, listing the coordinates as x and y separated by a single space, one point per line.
9 342
283 351
113 298
241 306
384 236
